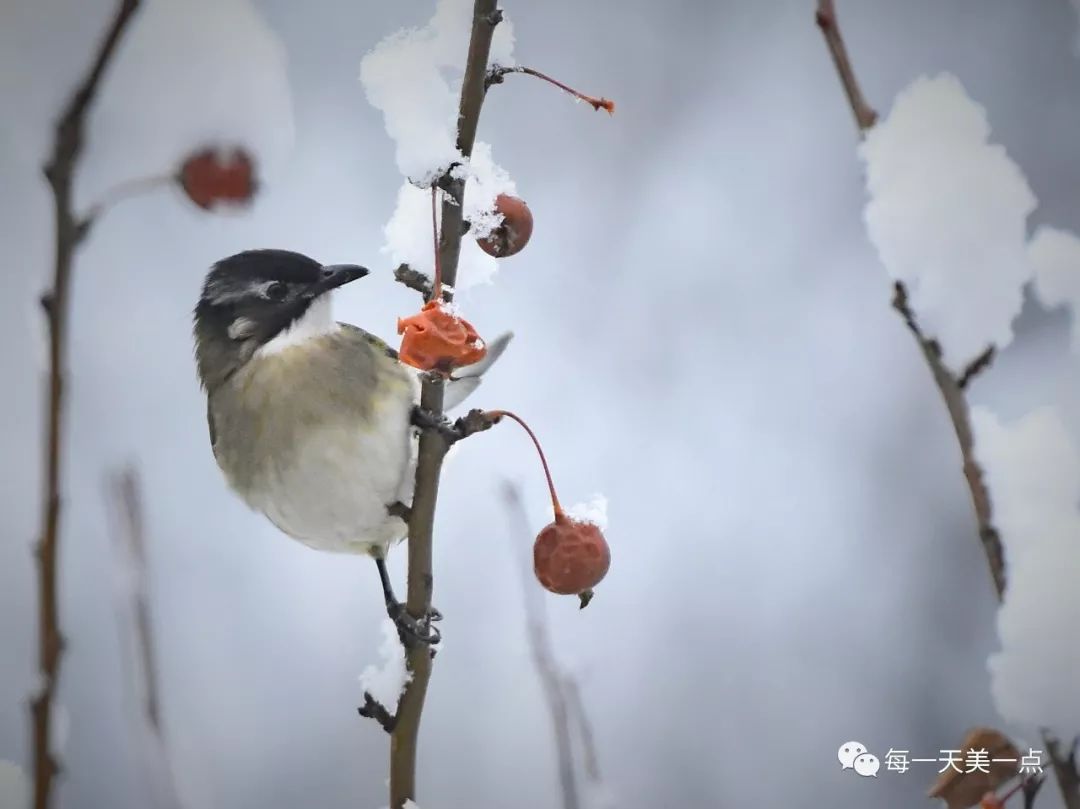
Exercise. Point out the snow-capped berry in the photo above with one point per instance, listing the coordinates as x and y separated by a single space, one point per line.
570 556
211 177
513 232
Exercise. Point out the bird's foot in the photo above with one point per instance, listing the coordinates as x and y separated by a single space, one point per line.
475 421
426 420
399 510
415 630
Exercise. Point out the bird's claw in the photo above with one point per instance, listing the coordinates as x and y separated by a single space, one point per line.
426 420
415 630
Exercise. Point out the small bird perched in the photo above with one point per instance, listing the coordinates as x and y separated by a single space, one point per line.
313 422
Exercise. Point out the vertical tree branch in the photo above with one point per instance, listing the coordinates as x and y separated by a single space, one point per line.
432 449
69 232
555 684
129 537
952 393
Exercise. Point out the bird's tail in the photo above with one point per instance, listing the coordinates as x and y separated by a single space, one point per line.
468 379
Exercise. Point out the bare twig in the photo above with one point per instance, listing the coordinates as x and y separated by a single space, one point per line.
126 499
373 709
952 392
1031 789
552 678
432 450
129 536
1065 769
865 116
578 713
69 232
126 190
413 279
496 76
976 367
957 407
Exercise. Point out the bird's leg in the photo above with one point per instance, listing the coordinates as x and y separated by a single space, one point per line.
411 630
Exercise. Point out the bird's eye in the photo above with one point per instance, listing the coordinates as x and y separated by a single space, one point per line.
276 291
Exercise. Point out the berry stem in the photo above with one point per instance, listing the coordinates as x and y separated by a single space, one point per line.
495 416
126 190
605 104
436 287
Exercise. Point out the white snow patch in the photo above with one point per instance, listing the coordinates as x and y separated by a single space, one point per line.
947 213
593 511
409 240
1033 472
205 72
14 785
388 679
1055 259
484 181
414 78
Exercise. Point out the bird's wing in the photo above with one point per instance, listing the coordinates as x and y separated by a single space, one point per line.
371 339
465 381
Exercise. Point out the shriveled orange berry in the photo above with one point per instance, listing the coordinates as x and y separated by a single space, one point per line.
437 339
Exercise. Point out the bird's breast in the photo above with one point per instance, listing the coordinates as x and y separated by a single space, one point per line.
321 442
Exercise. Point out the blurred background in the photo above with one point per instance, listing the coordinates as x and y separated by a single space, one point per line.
703 334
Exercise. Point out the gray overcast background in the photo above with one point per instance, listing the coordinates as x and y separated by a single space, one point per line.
703 334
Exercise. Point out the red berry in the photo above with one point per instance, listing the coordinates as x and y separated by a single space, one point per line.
210 177
570 557
513 232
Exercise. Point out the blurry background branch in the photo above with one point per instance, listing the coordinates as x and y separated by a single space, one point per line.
433 446
952 392
560 687
69 232
124 495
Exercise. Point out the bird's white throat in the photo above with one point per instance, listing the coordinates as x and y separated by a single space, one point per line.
317 321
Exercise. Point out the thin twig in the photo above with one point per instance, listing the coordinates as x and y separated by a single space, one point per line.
69 232
125 190
126 498
952 392
976 367
1065 769
413 279
129 536
1031 789
957 407
580 716
552 678
496 75
865 116
373 709
432 449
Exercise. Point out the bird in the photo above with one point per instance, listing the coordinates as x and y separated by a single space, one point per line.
314 423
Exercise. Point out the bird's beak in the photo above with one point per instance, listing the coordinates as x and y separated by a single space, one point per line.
336 275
